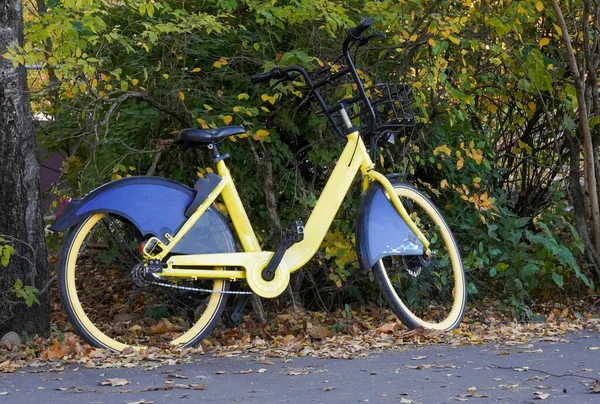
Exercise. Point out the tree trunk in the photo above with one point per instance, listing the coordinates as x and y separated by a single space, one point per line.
590 154
21 217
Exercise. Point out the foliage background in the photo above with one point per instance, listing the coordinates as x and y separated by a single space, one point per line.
490 83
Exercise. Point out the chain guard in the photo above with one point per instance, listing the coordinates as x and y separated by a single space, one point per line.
141 275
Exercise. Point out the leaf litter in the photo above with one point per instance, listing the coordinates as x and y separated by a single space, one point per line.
302 333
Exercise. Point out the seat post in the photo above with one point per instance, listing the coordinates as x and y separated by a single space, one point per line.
215 155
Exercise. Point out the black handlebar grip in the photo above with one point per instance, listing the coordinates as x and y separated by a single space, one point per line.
357 31
260 77
274 73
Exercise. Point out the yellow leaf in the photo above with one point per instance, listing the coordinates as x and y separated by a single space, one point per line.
207 107
202 123
243 96
444 184
209 170
135 82
539 6
492 108
431 42
544 42
104 77
196 70
557 28
262 133
166 76
532 106
181 96
477 156
442 149
220 63
236 109
477 180
265 109
264 97
413 37
227 119
460 163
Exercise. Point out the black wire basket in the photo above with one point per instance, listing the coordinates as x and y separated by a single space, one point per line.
391 106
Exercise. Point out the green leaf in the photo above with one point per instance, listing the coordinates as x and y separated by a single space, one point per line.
18 284
558 279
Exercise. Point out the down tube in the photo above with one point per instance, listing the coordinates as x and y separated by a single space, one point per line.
332 196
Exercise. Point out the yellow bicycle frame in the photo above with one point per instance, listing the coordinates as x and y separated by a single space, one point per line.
253 259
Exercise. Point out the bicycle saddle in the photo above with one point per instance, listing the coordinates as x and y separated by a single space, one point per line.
200 137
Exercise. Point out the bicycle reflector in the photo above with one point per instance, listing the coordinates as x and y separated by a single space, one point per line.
62 205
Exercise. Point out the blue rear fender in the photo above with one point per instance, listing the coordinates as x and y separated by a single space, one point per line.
155 206
381 231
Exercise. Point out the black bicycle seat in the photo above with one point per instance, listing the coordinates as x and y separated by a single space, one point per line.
201 137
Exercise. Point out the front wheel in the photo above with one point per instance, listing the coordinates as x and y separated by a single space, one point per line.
111 307
425 291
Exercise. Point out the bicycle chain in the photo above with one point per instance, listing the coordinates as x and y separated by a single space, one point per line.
170 285
139 278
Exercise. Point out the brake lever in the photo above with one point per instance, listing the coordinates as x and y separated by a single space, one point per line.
368 39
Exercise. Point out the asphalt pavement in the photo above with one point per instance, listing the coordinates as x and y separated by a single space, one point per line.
545 371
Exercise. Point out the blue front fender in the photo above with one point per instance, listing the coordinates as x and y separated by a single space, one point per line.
156 206
381 231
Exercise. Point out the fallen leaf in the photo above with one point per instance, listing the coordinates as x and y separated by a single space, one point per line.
177 376
297 372
538 395
538 378
115 382
416 358
320 332
387 328
262 370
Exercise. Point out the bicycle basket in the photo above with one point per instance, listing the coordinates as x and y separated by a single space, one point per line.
391 105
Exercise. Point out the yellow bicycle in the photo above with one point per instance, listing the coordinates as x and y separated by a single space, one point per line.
150 261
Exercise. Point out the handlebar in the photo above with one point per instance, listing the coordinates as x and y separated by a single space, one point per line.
353 35
274 73
357 31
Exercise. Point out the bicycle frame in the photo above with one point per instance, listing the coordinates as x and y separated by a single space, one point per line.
353 158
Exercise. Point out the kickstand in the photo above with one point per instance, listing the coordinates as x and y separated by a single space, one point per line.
231 318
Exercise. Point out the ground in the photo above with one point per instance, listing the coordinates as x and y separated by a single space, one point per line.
317 357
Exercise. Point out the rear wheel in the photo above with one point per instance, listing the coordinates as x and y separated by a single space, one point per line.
427 291
111 307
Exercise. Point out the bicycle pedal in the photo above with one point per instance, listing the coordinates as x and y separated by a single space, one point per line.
295 231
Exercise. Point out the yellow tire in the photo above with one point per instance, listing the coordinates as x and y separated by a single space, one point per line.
110 310
425 291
